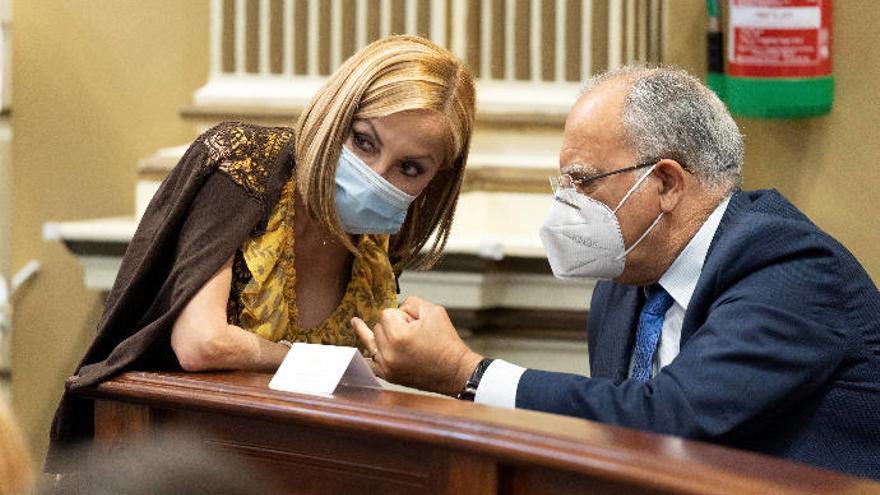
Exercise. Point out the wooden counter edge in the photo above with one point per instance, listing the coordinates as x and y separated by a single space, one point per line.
557 442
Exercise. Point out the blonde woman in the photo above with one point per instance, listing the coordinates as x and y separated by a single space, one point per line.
264 236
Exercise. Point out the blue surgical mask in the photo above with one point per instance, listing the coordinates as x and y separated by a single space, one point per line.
365 202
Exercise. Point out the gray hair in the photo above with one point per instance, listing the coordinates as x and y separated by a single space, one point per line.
669 113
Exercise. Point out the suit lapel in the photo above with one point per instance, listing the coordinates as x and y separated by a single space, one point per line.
614 347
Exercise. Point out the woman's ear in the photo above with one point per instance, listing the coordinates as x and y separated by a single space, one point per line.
672 183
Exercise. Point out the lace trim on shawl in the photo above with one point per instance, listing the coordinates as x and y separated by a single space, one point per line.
245 153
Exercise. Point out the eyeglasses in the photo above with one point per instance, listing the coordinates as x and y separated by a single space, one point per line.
566 181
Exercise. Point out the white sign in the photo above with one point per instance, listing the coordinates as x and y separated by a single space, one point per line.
318 369
776 17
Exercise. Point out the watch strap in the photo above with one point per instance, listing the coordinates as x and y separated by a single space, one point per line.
469 392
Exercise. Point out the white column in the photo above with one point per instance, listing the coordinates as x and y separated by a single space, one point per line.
560 50
459 16
586 39
642 29
240 35
630 33
535 38
265 19
486 39
335 34
360 23
509 40
288 48
438 22
654 28
615 33
216 63
313 41
384 18
412 16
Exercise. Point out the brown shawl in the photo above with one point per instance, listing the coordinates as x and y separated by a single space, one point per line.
221 191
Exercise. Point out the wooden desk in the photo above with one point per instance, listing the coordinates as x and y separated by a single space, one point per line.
378 441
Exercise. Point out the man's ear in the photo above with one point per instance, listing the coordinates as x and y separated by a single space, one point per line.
672 183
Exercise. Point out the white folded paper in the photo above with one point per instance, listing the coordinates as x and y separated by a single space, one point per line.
318 369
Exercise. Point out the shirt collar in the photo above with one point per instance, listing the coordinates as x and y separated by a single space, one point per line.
681 277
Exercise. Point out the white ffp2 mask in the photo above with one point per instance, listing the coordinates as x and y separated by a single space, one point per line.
582 236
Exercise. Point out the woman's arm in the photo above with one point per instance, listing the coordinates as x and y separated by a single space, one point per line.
202 340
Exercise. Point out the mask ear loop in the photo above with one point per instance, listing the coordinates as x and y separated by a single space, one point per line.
625 197
634 187
648 231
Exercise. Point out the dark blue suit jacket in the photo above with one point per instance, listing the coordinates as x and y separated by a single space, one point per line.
780 348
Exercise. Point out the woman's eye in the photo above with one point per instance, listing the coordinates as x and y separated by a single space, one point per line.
410 169
362 141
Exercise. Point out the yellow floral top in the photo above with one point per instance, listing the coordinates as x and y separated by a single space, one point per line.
263 296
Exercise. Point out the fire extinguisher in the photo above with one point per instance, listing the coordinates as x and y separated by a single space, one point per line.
778 57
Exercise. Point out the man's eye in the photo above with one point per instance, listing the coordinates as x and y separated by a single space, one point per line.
585 188
410 169
576 179
583 185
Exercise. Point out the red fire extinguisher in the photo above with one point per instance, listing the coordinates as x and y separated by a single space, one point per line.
779 62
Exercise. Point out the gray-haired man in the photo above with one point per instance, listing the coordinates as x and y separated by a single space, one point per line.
724 315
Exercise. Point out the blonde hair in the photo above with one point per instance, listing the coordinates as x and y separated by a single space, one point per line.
390 75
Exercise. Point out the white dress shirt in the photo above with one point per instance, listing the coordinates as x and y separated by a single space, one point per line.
501 379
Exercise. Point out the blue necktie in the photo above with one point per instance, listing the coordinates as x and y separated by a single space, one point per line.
650 325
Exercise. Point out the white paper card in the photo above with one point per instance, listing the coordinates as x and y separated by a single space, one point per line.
318 369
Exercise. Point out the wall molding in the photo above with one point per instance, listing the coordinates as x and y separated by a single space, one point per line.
514 296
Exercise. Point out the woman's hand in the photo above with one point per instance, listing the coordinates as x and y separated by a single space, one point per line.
202 340
417 346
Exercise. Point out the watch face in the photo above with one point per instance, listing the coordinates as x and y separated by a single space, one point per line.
469 393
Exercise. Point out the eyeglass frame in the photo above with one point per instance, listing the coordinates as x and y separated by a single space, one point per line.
555 180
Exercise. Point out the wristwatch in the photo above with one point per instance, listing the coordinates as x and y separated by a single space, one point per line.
470 387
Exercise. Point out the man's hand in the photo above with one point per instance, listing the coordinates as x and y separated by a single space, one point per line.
417 346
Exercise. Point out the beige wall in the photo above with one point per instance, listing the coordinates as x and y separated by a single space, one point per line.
829 167
5 134
5 194
97 85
